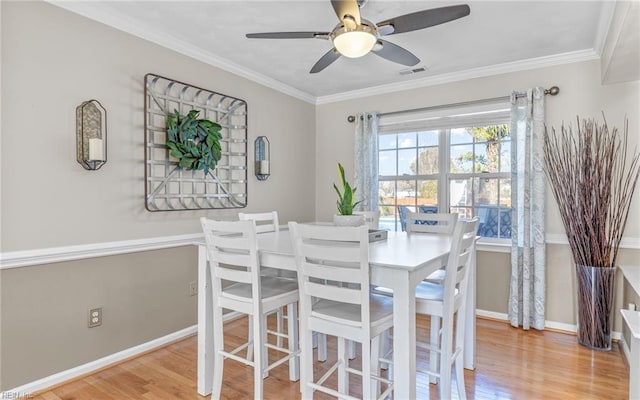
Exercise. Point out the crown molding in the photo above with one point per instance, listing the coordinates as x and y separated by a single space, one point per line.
497 69
98 12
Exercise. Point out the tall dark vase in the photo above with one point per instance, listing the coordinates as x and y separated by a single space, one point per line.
595 303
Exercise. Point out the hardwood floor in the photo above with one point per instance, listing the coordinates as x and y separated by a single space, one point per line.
510 364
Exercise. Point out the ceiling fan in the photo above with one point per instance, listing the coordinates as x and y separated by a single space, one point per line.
355 36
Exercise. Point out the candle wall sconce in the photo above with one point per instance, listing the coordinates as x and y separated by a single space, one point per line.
91 135
262 168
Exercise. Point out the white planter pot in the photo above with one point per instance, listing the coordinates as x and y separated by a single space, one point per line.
348 220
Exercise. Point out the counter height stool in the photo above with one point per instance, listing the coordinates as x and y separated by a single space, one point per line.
268 222
335 299
445 302
232 250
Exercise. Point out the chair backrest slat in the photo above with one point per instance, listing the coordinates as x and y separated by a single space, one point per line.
431 222
340 273
330 251
234 275
335 293
265 222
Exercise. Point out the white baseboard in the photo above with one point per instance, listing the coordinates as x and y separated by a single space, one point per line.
89 367
625 349
559 326
73 373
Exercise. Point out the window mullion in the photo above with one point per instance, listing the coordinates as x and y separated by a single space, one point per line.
443 166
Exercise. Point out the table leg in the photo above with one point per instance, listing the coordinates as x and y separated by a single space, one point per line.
205 325
404 336
470 317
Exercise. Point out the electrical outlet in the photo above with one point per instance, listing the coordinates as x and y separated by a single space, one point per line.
95 317
193 288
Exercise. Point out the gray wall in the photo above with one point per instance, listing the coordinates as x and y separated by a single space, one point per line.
45 309
52 60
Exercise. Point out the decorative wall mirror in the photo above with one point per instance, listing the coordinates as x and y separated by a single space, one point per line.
191 170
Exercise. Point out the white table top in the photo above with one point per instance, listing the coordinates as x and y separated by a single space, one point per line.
632 275
399 250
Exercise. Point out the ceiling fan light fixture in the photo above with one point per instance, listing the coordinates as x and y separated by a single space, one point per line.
354 43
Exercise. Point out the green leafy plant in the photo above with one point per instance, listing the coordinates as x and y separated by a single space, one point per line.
345 199
194 142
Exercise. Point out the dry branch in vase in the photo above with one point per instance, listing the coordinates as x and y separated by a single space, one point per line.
593 180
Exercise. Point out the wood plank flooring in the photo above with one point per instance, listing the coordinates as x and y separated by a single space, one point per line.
510 364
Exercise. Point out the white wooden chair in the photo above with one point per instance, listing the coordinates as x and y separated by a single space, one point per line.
335 299
433 223
444 302
371 218
268 222
232 251
439 223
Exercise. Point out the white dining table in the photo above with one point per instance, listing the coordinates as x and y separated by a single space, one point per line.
400 263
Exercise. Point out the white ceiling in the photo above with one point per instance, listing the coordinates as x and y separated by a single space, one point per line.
498 36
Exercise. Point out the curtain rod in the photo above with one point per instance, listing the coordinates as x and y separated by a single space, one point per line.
553 90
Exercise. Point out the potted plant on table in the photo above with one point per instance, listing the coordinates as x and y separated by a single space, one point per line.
593 182
346 203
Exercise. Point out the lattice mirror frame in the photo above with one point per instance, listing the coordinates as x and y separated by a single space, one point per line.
169 187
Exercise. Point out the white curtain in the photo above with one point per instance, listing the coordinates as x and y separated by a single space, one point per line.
366 161
527 290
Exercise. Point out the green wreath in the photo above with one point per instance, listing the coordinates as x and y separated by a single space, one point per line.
194 142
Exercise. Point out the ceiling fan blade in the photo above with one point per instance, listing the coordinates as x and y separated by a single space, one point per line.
289 35
395 53
424 19
345 8
326 60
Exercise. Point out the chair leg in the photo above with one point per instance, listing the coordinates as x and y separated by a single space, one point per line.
292 340
459 362
434 357
376 347
263 348
218 346
343 359
351 346
322 347
306 363
279 325
446 347
385 347
249 336
259 334
369 364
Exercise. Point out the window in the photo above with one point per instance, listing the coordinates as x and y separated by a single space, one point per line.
463 166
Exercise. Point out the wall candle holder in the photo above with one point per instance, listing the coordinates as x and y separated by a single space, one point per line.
262 168
91 135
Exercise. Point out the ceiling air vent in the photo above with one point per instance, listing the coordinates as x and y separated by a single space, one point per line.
411 71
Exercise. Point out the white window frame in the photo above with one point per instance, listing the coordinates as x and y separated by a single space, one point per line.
448 118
